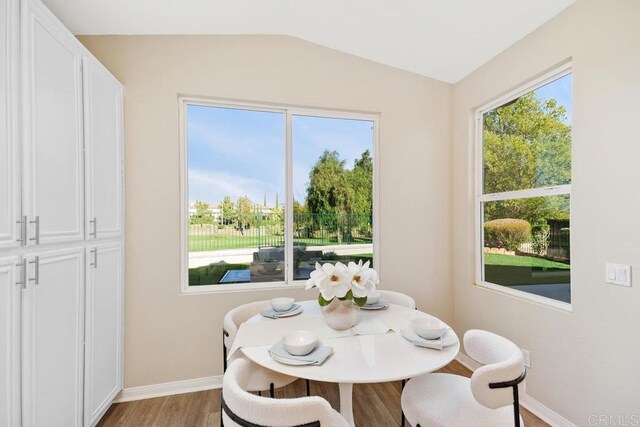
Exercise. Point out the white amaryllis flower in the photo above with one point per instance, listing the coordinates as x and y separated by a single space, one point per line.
332 280
362 279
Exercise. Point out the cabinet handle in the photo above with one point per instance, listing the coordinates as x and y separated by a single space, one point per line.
23 231
36 270
94 264
94 233
23 274
37 224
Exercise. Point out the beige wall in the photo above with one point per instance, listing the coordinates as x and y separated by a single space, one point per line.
171 337
584 362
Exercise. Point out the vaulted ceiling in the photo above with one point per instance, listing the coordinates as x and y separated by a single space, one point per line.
442 39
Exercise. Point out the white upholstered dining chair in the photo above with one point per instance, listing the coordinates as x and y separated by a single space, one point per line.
489 398
398 298
241 408
261 379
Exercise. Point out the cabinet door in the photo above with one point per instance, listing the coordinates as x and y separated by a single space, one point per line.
52 123
52 339
104 329
10 275
103 145
9 167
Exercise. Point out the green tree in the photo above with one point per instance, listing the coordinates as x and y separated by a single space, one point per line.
329 190
202 215
302 220
244 213
228 214
527 144
361 182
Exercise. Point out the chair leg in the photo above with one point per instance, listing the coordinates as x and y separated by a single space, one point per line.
272 390
402 423
308 388
516 406
224 366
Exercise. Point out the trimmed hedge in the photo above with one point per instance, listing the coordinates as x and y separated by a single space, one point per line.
508 233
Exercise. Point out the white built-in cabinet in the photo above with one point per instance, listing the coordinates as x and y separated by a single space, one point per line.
61 225
103 158
10 297
104 329
52 338
52 138
10 210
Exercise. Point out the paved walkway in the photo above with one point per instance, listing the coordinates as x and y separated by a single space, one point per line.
558 291
245 255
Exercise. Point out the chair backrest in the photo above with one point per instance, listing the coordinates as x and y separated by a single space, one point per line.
502 360
241 408
398 298
234 318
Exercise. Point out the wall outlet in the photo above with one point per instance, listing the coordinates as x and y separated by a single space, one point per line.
527 357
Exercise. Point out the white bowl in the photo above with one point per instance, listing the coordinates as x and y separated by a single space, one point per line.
373 298
282 303
429 328
300 343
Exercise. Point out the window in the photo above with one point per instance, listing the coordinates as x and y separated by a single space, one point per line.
271 191
524 191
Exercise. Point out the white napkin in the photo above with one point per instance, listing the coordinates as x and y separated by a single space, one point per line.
316 357
273 314
416 339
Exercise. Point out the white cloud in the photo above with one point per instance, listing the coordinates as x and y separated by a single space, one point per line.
213 186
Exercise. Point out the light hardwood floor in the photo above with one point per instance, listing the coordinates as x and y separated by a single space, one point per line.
373 405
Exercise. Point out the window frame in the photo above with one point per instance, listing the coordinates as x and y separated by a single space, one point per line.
480 197
289 111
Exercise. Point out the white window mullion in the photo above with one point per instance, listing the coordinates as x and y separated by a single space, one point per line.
288 207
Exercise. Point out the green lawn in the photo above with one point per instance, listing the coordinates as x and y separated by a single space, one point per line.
523 261
509 270
212 273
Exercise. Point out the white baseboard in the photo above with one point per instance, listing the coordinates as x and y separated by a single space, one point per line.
538 409
167 389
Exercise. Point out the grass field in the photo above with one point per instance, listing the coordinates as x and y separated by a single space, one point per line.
510 270
523 261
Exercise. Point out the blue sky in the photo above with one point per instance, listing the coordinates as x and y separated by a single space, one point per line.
239 152
559 89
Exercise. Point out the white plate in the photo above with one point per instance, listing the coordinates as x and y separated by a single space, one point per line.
289 313
449 337
377 306
288 361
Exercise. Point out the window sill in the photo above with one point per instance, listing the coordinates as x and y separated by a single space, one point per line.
537 299
239 287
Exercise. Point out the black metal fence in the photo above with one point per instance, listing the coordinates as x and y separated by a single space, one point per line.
260 230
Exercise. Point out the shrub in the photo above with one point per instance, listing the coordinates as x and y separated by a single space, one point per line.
506 233
541 235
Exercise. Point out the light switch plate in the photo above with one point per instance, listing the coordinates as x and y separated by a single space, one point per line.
618 274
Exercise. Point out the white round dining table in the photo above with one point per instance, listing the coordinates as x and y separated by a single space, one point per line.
360 359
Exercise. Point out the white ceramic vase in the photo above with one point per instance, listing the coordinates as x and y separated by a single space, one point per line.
340 315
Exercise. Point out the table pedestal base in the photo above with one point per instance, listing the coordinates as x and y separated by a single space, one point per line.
346 402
